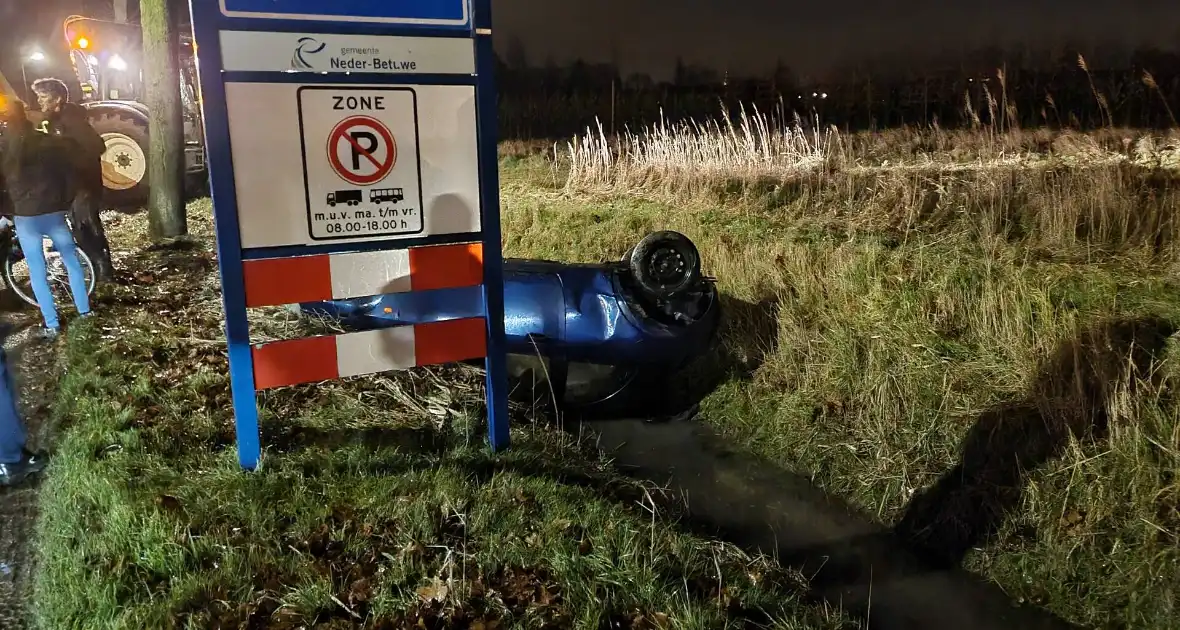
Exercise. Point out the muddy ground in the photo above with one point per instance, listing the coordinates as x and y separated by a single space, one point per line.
34 366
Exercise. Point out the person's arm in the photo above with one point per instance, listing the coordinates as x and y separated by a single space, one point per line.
74 124
8 164
12 140
69 122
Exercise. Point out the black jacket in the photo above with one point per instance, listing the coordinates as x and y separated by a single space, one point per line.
37 171
73 123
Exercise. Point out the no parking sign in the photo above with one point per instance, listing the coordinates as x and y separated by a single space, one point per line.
360 145
360 137
352 152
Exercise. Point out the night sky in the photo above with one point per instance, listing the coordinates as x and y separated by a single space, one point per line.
817 36
814 38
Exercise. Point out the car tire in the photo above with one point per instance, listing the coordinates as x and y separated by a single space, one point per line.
665 263
128 135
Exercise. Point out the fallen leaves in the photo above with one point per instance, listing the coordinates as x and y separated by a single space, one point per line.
436 591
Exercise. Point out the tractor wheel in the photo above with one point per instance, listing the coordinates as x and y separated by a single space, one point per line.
124 164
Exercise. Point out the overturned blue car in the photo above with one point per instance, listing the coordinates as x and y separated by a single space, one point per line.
602 340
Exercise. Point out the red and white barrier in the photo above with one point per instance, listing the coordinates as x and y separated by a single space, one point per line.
277 281
313 359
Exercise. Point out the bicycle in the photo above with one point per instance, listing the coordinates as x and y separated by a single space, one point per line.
16 270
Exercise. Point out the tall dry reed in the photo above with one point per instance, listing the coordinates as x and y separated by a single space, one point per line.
1077 194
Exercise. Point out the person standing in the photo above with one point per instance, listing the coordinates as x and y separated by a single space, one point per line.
38 173
70 121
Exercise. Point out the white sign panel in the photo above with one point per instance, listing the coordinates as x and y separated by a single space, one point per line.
317 164
323 52
360 161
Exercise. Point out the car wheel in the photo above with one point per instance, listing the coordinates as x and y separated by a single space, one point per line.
665 263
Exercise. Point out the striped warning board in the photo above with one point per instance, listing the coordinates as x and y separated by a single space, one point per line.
336 185
275 281
313 359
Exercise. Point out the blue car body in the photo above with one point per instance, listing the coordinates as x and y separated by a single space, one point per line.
603 343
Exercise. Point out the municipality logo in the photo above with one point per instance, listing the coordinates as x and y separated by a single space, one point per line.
306 46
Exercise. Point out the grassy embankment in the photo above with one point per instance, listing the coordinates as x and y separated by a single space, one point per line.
964 333
894 300
377 504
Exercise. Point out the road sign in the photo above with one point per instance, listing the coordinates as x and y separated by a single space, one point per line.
360 149
269 146
316 52
424 12
336 176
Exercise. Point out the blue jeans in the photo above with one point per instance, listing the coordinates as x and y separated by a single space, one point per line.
12 431
29 231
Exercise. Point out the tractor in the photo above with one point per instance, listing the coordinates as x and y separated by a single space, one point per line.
106 57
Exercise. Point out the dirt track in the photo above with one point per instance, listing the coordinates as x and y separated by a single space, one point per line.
34 366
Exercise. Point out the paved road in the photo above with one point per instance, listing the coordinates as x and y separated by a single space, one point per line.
856 564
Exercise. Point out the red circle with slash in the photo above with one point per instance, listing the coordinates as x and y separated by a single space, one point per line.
361 150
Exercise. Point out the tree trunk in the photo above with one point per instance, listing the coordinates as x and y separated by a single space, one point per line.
161 73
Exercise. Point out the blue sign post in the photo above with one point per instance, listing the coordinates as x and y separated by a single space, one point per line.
446 13
351 146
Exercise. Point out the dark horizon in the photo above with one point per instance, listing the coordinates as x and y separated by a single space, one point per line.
750 37
818 41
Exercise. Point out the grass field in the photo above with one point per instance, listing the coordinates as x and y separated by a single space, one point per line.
968 335
377 504
965 335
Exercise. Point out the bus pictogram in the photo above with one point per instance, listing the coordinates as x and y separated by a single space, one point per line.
386 195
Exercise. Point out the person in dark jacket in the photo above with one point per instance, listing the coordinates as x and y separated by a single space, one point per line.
70 121
38 174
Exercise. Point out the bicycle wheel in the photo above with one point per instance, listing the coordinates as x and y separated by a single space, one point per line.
16 271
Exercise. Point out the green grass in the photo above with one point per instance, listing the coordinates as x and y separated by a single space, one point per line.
883 356
377 504
881 350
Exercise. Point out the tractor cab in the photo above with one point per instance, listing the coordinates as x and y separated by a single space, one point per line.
107 58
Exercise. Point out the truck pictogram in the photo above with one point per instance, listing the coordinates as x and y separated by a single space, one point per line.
350 197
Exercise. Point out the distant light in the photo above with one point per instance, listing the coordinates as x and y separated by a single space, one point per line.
117 63
814 94
823 95
83 43
37 55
